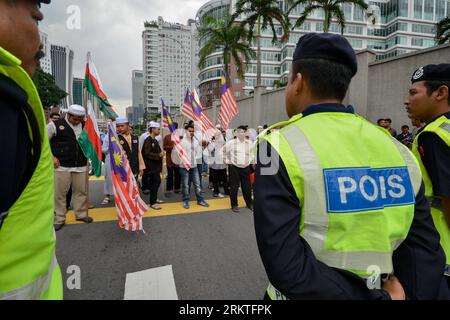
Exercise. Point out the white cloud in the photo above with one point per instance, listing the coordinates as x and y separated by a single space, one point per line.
112 30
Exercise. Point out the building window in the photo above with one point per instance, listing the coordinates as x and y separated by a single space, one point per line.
237 81
418 5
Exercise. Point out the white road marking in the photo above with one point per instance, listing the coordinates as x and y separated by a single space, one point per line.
151 284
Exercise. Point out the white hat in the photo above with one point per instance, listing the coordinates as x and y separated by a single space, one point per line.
218 126
121 120
77 110
154 125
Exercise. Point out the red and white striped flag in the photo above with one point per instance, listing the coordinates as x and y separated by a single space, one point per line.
201 118
167 118
186 109
129 205
228 109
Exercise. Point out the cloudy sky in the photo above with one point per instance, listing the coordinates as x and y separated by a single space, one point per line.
111 30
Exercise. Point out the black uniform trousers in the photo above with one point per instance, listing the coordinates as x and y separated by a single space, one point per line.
239 176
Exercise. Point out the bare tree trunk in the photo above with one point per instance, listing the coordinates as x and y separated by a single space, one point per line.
258 62
327 21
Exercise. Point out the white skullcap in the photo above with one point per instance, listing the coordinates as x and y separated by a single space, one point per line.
77 110
218 126
122 120
154 125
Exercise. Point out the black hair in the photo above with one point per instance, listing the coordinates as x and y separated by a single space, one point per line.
379 121
190 125
175 124
326 79
433 86
54 114
245 128
388 120
405 127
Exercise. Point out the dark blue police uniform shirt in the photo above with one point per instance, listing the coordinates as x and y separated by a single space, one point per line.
290 262
15 143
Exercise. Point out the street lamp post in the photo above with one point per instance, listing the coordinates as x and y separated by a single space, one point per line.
184 55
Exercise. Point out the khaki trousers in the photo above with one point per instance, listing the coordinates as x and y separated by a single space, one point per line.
63 181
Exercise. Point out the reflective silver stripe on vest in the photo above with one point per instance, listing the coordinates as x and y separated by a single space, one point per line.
34 290
274 294
315 211
446 126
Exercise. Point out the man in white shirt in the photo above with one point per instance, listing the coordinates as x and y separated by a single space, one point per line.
70 165
218 168
238 154
194 151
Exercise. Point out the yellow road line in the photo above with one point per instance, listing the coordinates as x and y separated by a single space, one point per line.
168 209
93 178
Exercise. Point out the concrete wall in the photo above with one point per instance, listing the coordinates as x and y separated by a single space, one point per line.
389 82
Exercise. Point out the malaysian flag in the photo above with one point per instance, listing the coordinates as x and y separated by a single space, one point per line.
202 120
167 118
228 109
186 109
130 207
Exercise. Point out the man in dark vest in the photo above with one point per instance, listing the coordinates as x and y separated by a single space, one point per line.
70 165
130 144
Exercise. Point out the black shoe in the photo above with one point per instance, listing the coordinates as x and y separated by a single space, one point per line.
86 220
58 226
235 209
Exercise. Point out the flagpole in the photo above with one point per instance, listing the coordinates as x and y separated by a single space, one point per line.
85 98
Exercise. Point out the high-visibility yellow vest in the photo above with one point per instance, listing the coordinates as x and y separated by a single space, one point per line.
441 127
28 266
357 195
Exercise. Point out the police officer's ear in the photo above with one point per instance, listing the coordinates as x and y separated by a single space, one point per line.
442 93
298 82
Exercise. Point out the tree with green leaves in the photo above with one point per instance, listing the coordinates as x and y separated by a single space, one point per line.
331 9
50 94
262 14
443 31
230 39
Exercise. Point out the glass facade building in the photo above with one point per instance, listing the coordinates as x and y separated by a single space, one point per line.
401 26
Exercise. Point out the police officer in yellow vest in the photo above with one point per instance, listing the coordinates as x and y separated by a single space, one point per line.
339 203
28 266
429 100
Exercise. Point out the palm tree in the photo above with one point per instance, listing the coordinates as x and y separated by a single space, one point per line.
231 39
443 31
262 14
331 8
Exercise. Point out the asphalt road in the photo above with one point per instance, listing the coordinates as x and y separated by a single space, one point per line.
214 255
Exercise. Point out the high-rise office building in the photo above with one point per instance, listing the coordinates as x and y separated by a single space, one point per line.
402 26
46 62
62 71
138 88
170 63
77 92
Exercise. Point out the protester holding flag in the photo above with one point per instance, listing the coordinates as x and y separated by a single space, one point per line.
70 165
189 171
130 144
153 157
129 205
173 169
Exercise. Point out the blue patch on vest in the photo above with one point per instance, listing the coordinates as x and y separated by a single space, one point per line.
365 189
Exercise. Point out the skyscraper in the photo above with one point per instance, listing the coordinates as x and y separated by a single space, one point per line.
62 70
170 63
46 62
77 92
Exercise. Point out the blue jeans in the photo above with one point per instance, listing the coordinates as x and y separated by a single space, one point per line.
195 178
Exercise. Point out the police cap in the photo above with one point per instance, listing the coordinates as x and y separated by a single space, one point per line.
326 46
432 72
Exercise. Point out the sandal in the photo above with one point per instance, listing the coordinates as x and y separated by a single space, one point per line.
86 220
